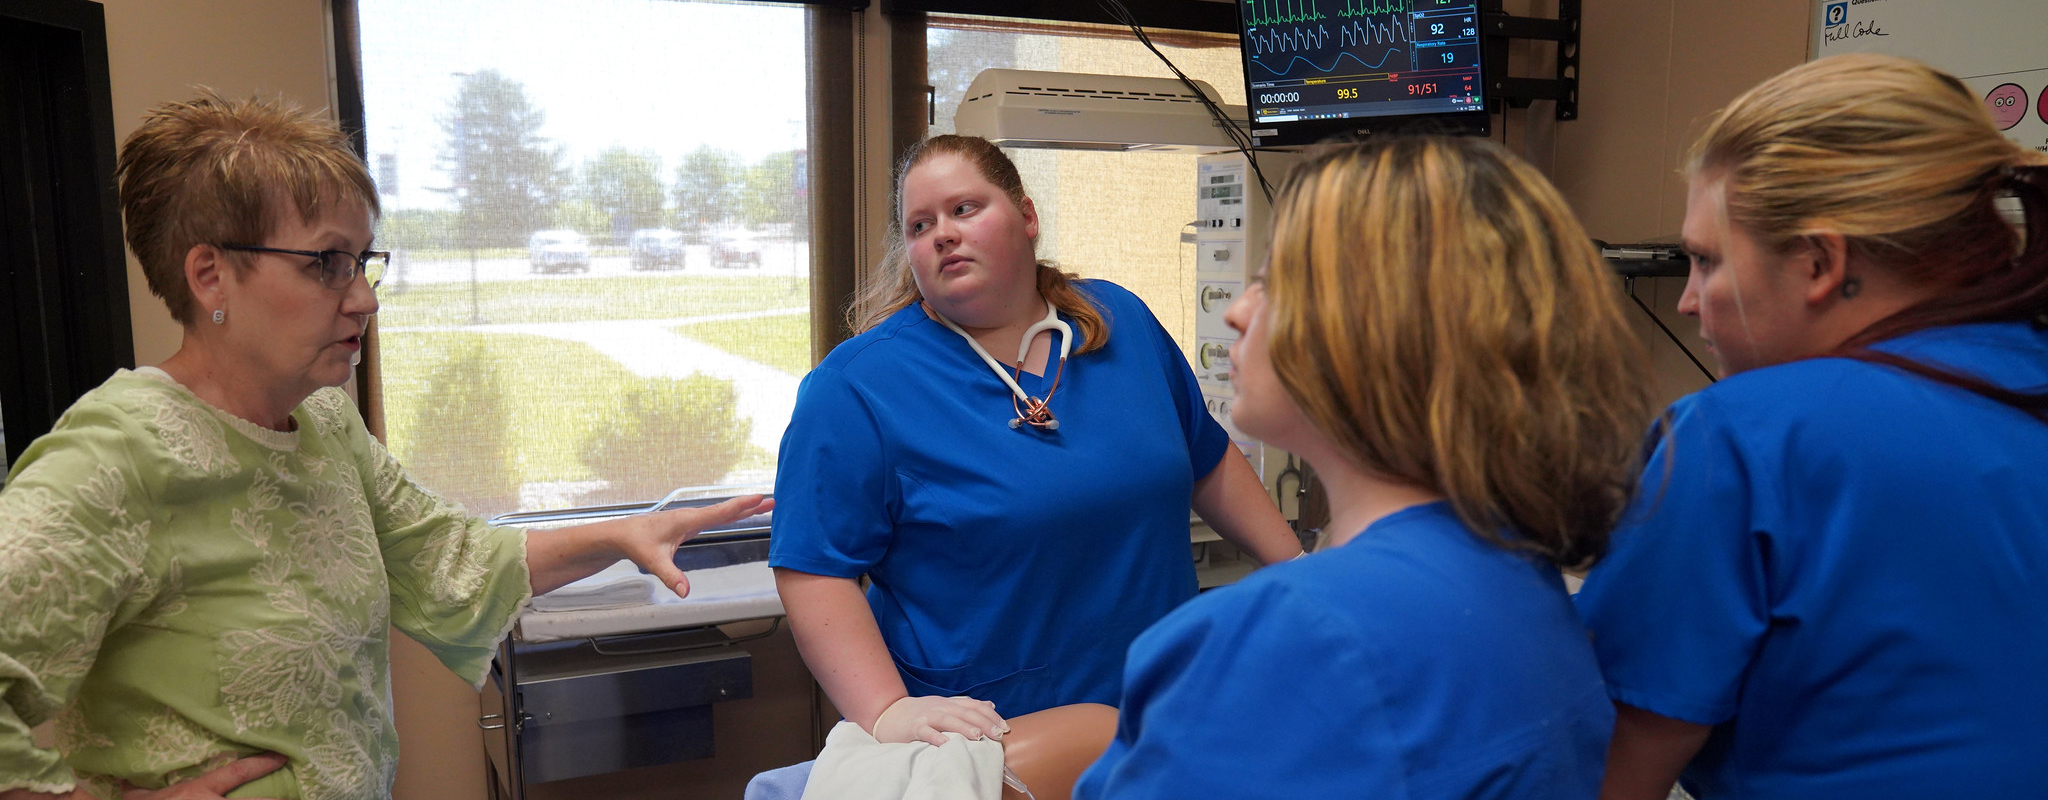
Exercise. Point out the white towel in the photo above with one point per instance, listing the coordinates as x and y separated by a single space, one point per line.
620 585
856 767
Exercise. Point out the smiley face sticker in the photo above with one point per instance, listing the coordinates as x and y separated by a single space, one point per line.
2008 104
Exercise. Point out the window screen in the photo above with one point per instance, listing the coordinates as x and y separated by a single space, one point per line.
597 213
1116 216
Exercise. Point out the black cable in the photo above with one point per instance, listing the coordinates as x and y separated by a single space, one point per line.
1238 137
1629 284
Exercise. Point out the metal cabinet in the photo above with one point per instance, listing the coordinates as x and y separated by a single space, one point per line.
581 707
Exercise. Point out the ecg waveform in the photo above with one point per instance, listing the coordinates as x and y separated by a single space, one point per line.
1367 8
1290 12
1308 46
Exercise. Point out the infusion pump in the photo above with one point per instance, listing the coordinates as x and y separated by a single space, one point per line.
1233 225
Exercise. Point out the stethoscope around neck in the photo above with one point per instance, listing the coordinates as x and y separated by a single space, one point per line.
1030 410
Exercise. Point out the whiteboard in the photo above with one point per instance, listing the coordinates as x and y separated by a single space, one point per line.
1999 48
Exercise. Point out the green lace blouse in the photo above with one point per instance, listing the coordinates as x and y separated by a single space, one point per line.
180 588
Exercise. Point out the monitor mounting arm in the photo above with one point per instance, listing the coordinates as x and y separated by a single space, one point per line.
1497 28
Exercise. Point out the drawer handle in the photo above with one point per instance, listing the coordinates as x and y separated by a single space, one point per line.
499 726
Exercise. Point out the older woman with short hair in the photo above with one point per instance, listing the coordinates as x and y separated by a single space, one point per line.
201 562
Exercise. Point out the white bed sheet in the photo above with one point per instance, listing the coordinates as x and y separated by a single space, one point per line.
718 595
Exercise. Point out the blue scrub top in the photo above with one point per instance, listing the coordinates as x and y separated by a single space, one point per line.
1012 565
1416 661
1844 569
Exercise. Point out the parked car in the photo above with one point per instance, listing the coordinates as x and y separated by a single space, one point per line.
553 251
655 248
732 251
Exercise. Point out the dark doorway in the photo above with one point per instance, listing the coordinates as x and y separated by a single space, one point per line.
64 320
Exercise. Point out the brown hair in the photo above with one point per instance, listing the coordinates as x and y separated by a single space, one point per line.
1904 162
892 287
216 171
1437 311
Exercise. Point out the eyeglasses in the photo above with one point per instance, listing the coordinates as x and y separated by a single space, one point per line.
338 268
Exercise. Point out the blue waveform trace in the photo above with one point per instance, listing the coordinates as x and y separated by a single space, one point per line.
1333 64
1376 32
1356 33
1289 41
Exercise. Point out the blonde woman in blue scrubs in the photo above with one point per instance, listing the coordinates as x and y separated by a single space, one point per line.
1436 334
1010 455
1842 590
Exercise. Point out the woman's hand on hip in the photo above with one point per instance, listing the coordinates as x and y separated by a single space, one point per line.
929 719
652 544
211 786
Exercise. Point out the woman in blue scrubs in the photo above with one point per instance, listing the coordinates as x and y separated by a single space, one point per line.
1021 519
1436 334
1837 582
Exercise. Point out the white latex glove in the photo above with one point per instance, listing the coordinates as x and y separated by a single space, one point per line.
929 719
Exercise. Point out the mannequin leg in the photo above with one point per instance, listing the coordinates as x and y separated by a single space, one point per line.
1049 749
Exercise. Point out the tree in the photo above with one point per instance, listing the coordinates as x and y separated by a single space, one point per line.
626 186
668 433
707 189
506 175
461 443
769 191
957 56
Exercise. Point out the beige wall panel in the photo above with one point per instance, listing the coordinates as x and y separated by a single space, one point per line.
1610 161
1651 71
158 51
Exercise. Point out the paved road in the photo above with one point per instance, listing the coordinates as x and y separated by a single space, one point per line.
777 258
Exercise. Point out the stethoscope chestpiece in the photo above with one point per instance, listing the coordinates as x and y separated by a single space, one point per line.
1030 410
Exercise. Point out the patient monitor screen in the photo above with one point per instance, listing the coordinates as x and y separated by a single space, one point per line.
1314 68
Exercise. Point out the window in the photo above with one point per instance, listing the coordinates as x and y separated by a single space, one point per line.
1116 216
597 211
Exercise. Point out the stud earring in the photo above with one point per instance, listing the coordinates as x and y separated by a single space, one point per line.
220 316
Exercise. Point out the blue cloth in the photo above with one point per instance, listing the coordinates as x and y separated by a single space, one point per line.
1844 569
1010 565
1416 661
781 783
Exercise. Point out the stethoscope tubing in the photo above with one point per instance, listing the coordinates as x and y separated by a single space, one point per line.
1052 322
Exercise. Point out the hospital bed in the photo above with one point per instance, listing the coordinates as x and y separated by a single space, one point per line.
575 692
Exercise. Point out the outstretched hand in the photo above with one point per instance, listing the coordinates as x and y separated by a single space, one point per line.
653 541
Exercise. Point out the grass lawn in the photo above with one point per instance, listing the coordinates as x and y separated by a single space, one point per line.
782 341
590 300
553 409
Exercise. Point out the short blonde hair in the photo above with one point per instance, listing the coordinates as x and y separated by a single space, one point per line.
1899 158
216 171
892 287
1437 311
